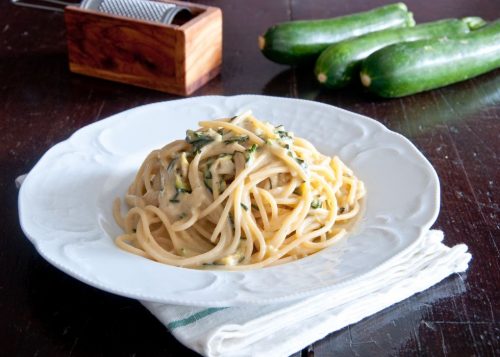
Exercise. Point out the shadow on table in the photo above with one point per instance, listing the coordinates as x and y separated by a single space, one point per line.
78 318
409 115
397 328
452 104
46 81
300 82
81 320
293 82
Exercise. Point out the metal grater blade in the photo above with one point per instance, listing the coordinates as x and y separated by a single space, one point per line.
154 11
137 9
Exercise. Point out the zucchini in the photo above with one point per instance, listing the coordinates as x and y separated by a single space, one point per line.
297 42
250 152
316 203
236 139
339 63
411 67
199 139
181 184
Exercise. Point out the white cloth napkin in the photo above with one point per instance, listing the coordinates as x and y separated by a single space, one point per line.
282 329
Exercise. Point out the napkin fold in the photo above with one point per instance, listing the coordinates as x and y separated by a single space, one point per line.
284 328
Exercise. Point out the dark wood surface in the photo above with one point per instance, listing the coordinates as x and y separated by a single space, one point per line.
43 312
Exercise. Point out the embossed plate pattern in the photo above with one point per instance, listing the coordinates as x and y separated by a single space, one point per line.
65 201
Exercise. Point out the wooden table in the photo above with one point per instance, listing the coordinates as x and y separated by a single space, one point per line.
43 312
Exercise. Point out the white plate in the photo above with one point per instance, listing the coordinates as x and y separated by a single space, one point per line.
65 201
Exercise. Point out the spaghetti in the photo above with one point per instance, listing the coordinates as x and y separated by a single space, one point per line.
237 193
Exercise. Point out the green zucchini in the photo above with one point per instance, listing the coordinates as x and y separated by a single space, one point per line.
181 184
339 63
411 67
297 42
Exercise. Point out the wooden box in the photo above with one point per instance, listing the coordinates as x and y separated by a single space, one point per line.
170 58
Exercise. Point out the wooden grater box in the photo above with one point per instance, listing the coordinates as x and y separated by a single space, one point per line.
175 59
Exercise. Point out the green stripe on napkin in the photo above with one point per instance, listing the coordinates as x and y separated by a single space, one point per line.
194 317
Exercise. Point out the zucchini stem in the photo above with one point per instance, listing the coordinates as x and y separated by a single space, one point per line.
365 79
474 22
322 78
402 6
262 42
410 21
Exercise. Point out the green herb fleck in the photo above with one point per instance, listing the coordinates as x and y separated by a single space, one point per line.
198 139
181 184
250 152
283 134
252 148
178 191
301 162
316 203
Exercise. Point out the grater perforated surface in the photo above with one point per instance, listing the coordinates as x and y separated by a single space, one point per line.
137 9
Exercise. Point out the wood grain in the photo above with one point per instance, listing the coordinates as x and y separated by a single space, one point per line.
169 58
202 49
46 313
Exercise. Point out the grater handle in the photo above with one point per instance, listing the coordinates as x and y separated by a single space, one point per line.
52 5
160 12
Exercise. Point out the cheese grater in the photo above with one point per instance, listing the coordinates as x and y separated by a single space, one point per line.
167 45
